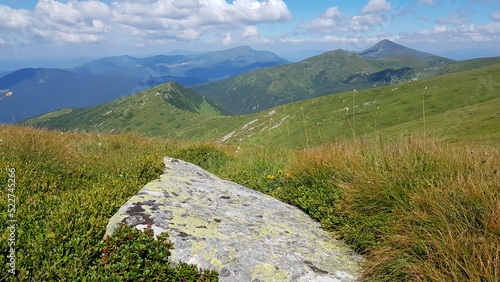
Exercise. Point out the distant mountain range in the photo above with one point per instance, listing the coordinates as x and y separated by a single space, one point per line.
337 71
192 68
38 91
462 106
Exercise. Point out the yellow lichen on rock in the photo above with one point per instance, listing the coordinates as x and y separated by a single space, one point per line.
268 272
240 232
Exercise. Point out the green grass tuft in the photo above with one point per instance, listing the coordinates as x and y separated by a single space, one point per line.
416 208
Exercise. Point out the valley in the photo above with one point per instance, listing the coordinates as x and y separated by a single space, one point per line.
385 111
394 151
42 90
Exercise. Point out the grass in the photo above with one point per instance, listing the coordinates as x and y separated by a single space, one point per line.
68 186
416 208
453 107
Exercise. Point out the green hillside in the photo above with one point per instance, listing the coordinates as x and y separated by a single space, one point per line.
328 73
158 111
459 106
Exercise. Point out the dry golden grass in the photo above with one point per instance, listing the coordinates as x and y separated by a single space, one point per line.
416 208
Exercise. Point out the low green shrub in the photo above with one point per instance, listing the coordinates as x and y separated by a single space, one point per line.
133 255
417 209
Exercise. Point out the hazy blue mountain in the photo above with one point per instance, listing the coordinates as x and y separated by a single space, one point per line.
38 91
4 73
193 67
388 49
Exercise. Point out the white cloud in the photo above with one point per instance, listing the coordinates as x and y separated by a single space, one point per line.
496 16
334 21
207 14
228 40
75 22
171 19
250 31
376 6
14 20
463 33
93 20
427 2
189 34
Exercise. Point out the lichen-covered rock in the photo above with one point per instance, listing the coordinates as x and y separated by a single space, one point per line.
242 233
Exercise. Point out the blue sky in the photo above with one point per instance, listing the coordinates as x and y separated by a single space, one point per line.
459 29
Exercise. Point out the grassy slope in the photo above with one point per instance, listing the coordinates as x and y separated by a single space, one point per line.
329 73
416 208
158 111
389 110
460 106
67 187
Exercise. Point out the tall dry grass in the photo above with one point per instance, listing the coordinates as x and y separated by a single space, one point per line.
418 209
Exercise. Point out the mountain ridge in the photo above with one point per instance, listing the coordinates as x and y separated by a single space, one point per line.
331 72
387 49
223 63
388 110
148 110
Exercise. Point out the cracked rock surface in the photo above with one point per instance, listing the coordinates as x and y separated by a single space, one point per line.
240 232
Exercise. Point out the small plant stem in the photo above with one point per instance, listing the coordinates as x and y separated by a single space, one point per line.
319 133
353 125
423 109
305 126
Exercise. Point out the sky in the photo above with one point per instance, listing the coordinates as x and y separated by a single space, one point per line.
49 30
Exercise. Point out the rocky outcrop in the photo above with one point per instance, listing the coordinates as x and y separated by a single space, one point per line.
242 233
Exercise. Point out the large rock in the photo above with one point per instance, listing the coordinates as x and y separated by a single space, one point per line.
242 233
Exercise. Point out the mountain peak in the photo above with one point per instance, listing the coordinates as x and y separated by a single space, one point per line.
245 54
388 49
386 42
243 48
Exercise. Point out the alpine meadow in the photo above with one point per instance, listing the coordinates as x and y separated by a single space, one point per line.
394 151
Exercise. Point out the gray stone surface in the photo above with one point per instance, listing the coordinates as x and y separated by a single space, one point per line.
242 233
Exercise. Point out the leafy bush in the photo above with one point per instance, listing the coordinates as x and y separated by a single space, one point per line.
133 255
68 186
